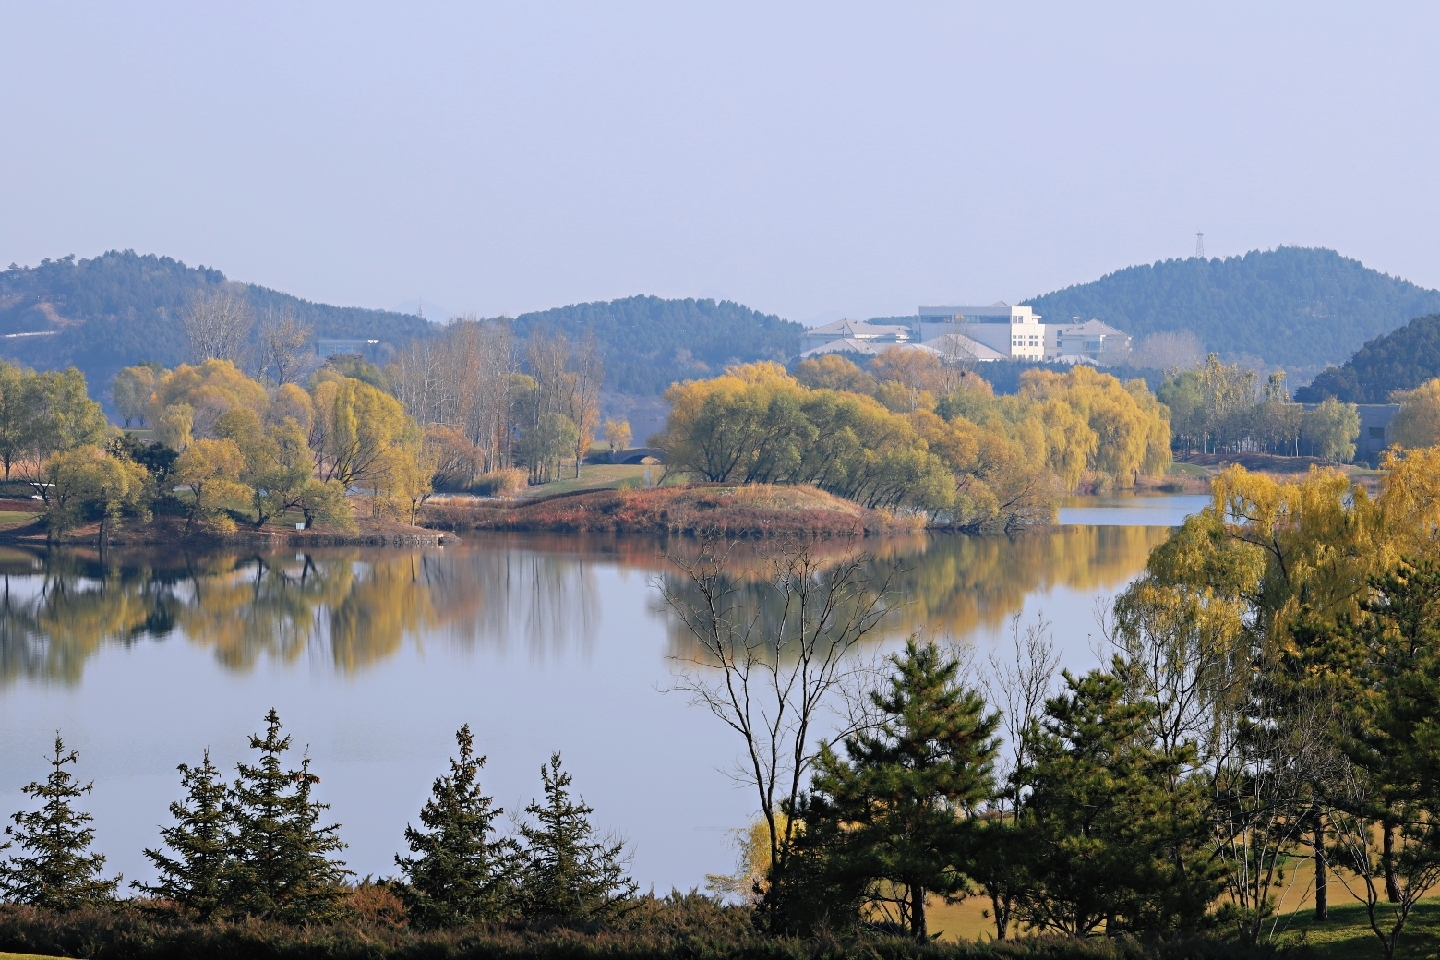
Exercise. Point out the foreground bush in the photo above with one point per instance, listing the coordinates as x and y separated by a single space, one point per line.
690 927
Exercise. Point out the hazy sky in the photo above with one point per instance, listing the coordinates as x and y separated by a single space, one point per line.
808 160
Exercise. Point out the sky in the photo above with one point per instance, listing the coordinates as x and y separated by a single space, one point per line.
810 160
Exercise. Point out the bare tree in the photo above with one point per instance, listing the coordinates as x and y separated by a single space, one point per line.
1018 684
283 341
1263 785
768 652
218 322
1389 882
584 380
1164 351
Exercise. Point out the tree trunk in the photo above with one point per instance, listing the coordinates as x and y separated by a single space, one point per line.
1000 904
1392 884
917 914
1322 899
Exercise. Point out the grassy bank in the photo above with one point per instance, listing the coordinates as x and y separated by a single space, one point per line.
755 510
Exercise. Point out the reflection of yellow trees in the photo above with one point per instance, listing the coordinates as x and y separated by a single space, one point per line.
956 584
358 607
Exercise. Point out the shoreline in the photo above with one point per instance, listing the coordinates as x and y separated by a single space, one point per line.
169 532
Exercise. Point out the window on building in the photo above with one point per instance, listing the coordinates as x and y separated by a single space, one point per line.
1377 433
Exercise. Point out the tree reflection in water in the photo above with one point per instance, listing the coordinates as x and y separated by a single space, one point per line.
358 607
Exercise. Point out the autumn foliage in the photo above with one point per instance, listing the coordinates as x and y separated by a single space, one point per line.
913 434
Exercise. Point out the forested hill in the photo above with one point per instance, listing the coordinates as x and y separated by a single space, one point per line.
650 343
1401 360
121 308
1293 306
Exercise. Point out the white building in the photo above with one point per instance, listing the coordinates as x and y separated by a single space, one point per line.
1093 339
1014 332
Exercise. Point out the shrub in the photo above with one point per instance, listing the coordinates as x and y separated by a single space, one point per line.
500 483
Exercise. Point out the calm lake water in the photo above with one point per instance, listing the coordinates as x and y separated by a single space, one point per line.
375 657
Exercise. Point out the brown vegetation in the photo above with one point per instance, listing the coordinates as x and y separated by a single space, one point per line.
758 510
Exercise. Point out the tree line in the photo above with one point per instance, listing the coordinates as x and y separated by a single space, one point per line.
914 432
258 848
1219 408
241 451
491 402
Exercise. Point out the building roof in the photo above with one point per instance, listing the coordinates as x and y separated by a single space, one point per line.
1091 327
872 348
957 346
856 330
1070 359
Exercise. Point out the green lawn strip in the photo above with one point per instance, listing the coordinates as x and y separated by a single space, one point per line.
16 516
597 476
25 956
1187 470
1347 934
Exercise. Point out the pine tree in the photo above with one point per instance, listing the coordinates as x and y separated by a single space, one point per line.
282 869
195 877
568 873
904 794
460 875
55 868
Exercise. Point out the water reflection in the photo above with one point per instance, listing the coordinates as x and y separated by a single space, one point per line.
355 608
951 586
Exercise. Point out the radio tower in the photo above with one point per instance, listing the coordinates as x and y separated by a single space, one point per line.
1199 246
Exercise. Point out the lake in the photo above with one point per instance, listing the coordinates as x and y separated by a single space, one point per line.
374 657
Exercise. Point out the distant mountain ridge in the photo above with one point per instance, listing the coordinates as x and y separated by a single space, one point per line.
122 308
1291 306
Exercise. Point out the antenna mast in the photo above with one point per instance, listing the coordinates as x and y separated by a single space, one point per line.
1199 246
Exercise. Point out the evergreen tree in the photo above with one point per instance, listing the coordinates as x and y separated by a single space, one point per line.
1117 834
54 867
282 867
195 877
459 874
568 873
910 784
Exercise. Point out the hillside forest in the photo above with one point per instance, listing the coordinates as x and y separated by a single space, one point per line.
122 309
1293 307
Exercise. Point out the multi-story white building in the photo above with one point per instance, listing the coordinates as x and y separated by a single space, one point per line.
1014 332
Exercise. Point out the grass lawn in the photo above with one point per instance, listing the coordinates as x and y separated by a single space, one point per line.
598 476
1347 933
24 956
7 518
1187 470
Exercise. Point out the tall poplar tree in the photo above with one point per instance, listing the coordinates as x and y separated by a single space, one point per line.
196 876
54 867
568 872
283 869
460 873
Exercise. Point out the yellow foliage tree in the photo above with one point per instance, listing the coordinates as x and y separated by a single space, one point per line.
210 390
1418 422
212 469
